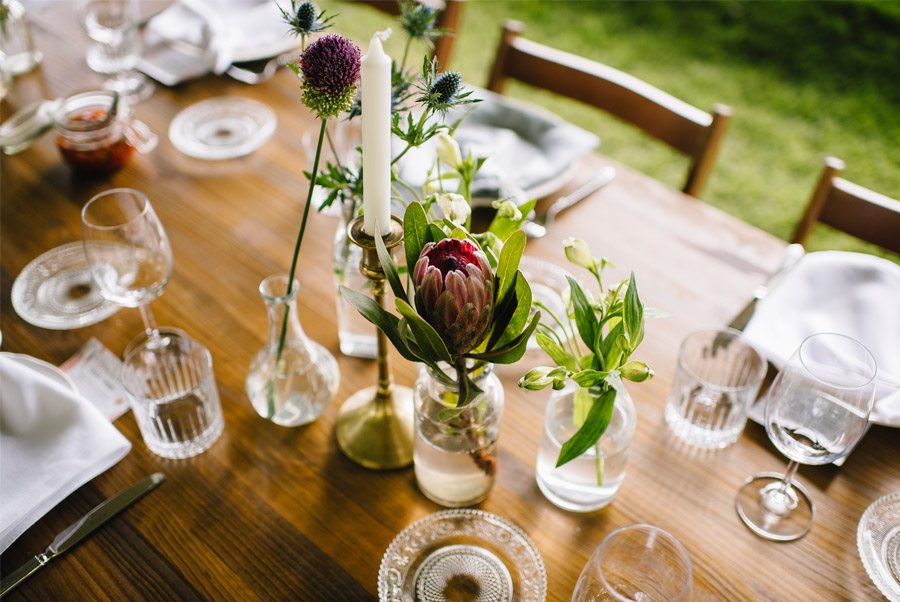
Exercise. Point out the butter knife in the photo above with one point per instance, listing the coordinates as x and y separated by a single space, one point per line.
789 258
80 529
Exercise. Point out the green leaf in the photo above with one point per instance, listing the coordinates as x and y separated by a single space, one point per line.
556 352
503 314
593 428
390 268
610 348
590 378
430 342
582 402
437 234
468 390
513 351
585 320
384 320
415 233
634 314
523 310
508 266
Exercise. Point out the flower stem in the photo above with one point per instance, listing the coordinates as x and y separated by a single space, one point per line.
290 285
405 53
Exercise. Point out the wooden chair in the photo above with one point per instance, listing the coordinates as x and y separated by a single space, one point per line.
685 128
850 208
448 20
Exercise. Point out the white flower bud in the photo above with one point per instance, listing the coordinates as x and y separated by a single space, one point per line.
508 210
455 207
578 253
448 150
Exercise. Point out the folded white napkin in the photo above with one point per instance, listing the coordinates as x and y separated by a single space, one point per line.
228 30
854 294
52 441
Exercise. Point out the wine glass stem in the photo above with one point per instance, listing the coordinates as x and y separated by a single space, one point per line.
788 477
149 323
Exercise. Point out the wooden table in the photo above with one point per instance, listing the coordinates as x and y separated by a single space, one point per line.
279 513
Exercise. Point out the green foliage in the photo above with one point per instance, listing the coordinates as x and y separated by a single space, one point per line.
594 353
506 338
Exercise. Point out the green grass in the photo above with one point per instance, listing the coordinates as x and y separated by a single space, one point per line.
804 79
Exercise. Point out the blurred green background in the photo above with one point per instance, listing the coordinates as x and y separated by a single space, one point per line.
804 80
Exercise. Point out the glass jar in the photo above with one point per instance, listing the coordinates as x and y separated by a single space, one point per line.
96 135
15 38
95 131
293 385
592 480
455 448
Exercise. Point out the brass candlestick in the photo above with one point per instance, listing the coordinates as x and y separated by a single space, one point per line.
375 425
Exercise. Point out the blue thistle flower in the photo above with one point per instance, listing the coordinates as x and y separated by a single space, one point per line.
305 18
445 87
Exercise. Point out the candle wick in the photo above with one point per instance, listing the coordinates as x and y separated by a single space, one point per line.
383 35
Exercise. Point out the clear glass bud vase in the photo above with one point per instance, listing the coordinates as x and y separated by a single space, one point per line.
356 335
455 448
593 479
294 387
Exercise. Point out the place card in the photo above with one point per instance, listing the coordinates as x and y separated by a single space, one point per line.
96 370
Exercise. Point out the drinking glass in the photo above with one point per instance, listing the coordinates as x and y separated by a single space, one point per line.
636 563
112 25
816 410
173 395
717 378
128 251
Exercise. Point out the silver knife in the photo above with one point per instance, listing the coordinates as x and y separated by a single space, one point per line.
80 529
789 258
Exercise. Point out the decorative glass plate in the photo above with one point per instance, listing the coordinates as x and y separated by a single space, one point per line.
222 128
462 554
878 540
56 291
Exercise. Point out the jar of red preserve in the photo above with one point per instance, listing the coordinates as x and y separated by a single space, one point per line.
95 131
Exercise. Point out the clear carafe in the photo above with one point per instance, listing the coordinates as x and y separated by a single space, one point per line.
293 383
455 448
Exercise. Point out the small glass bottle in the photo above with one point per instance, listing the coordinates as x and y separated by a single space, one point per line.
455 447
293 386
15 38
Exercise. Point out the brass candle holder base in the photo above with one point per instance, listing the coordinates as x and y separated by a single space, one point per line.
377 433
375 425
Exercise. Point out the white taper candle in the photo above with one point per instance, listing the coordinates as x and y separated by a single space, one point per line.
376 138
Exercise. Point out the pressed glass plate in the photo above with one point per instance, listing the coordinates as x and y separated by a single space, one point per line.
462 554
56 291
222 128
878 540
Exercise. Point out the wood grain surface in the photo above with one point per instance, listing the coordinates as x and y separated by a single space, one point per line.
276 513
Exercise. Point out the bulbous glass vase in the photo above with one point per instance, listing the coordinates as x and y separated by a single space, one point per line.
293 386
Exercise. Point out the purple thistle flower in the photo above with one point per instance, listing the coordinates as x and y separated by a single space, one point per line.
330 65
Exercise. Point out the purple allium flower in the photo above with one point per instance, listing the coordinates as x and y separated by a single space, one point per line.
330 65
454 291
330 68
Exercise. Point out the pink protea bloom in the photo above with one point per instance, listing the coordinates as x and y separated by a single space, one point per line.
454 290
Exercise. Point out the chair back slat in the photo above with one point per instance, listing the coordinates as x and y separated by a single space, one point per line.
682 126
851 208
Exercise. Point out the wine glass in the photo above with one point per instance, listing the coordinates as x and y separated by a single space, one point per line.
816 410
128 251
113 27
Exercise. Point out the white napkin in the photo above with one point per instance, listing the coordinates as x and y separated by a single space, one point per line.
833 291
227 29
52 441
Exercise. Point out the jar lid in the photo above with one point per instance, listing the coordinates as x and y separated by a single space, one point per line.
27 125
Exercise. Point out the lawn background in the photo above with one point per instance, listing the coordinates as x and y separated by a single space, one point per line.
804 80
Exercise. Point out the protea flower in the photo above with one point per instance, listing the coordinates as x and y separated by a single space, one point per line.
330 68
454 290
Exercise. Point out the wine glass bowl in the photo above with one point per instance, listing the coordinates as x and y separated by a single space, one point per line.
817 409
112 26
127 250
